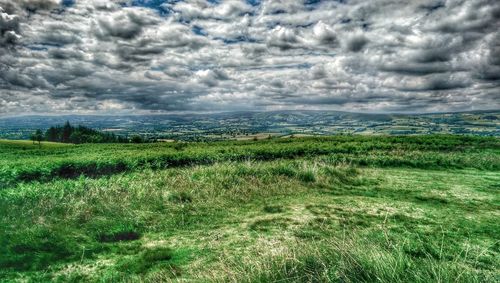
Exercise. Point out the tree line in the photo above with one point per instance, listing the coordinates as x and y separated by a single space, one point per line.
80 134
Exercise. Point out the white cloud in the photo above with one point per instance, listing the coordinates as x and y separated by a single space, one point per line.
383 55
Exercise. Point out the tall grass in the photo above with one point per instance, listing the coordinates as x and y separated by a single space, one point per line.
231 217
353 260
21 164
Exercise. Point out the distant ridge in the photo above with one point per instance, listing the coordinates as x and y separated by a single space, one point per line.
245 123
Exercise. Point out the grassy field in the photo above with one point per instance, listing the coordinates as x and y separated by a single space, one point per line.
336 209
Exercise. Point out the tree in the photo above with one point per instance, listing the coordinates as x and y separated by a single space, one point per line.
136 139
52 134
81 134
66 132
37 136
76 137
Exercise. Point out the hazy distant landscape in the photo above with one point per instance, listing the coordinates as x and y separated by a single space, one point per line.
246 125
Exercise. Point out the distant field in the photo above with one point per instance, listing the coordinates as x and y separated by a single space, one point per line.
24 144
240 125
332 209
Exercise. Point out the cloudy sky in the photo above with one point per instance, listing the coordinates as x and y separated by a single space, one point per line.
149 56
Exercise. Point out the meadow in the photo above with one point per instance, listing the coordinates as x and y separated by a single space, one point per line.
313 209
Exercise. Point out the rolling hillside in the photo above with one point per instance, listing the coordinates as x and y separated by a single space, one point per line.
344 208
232 125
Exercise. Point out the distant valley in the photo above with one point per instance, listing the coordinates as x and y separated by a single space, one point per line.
252 125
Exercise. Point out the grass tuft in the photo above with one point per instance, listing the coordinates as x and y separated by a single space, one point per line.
306 176
274 209
180 197
266 225
118 233
148 259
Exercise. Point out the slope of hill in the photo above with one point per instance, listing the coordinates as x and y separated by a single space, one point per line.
337 209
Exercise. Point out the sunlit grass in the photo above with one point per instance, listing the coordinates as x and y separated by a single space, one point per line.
307 219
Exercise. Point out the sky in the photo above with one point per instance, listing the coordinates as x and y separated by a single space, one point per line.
166 56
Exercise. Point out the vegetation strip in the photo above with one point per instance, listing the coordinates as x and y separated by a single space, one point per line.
24 162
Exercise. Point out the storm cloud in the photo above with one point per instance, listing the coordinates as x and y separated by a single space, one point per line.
151 56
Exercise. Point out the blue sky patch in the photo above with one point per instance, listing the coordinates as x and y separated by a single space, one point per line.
311 2
155 5
253 2
199 31
68 3
235 40
42 46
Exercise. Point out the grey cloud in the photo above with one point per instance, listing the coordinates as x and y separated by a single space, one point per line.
416 68
380 55
211 77
195 9
435 83
111 61
9 29
470 16
34 5
63 54
176 35
488 73
12 79
58 36
489 68
318 37
283 38
124 24
176 72
318 72
494 50
440 48
277 84
324 34
131 52
23 6
356 43
157 41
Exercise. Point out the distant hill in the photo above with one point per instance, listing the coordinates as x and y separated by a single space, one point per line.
240 124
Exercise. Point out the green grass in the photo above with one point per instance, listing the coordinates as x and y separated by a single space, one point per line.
23 162
340 209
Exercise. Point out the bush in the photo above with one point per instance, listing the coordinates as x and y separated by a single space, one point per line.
179 146
136 139
36 248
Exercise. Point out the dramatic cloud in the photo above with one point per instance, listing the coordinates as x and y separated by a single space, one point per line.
135 56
